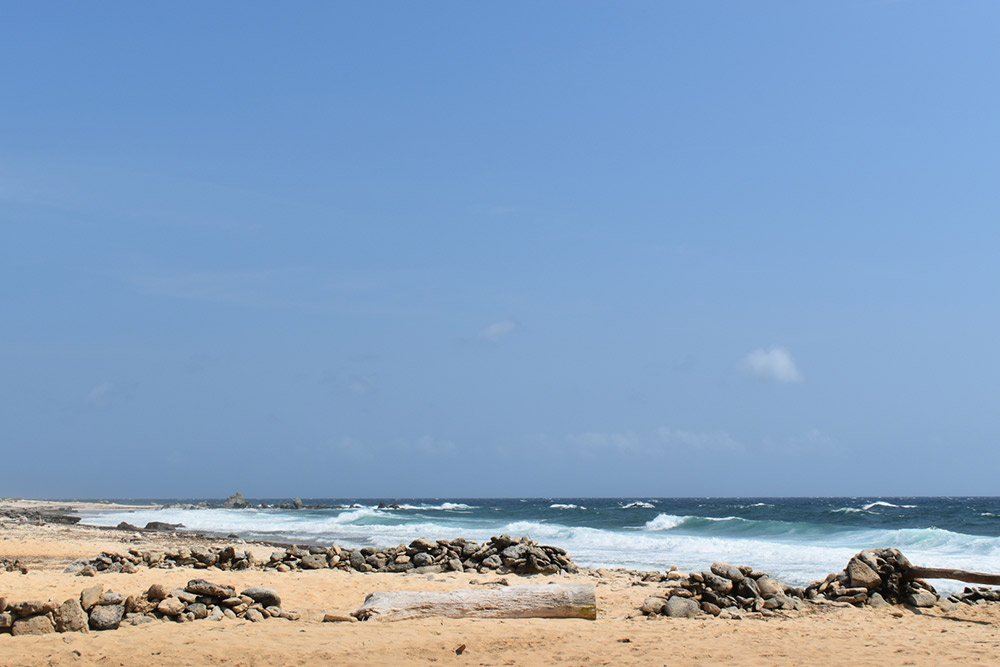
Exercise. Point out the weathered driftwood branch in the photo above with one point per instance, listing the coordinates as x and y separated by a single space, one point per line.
550 601
914 572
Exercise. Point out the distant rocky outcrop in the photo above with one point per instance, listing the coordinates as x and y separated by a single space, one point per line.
236 502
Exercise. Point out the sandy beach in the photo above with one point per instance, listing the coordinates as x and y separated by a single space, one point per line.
620 635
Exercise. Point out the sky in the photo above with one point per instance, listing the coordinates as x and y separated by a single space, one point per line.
394 249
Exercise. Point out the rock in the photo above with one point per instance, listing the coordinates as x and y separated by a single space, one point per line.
728 571
653 605
106 616
946 605
921 599
423 544
208 589
156 592
33 608
70 617
236 502
6 620
455 565
423 559
141 619
3 604
357 560
338 618
710 608
198 609
313 562
861 575
266 597
161 526
769 587
876 601
35 625
492 562
125 525
254 615
170 607
678 607
298 504
111 597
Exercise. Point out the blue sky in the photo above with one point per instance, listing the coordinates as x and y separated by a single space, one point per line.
451 249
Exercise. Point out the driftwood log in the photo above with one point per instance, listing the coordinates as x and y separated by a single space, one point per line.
548 601
915 572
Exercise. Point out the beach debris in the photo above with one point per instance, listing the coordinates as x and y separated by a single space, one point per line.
339 618
502 554
546 601
100 610
460 649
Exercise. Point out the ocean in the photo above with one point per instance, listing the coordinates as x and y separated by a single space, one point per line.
796 539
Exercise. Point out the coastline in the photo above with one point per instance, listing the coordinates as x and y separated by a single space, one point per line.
967 635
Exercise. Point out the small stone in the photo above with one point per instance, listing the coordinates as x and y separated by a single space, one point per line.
6 620
70 617
170 607
710 608
423 559
876 601
35 625
106 616
339 618
155 593
208 589
728 571
921 599
678 607
313 562
254 616
653 605
198 610
265 596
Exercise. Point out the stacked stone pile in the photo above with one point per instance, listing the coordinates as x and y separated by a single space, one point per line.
502 554
8 565
724 590
874 577
978 595
97 609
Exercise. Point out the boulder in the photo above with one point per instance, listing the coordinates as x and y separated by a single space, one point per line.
106 616
653 605
492 562
35 625
160 525
155 593
70 617
422 559
298 504
6 620
266 597
254 615
208 589
33 608
728 571
423 544
313 562
236 502
198 609
921 599
769 587
170 607
861 575
678 607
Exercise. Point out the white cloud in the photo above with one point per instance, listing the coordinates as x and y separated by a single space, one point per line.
774 363
497 330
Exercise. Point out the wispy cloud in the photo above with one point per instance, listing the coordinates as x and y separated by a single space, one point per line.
774 363
100 394
663 439
498 330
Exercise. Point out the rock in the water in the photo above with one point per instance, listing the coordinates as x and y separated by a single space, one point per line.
106 616
678 607
236 502
267 597
160 525
70 617
861 575
35 625
298 504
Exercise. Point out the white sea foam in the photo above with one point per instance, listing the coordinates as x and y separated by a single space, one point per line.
638 504
569 506
882 503
788 553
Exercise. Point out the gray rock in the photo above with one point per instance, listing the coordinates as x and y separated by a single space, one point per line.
266 597
422 559
876 601
861 575
198 609
492 562
298 504
236 502
653 605
254 615
208 589
357 560
35 625
91 596
70 617
455 565
921 599
719 584
678 607
313 562
111 597
106 616
423 544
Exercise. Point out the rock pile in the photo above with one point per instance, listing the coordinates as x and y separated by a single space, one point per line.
502 554
8 565
979 595
97 609
874 577
724 590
